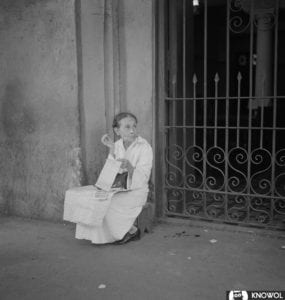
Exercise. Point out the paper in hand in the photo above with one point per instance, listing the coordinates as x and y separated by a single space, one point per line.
108 174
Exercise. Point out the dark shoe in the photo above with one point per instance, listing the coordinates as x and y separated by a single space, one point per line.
129 237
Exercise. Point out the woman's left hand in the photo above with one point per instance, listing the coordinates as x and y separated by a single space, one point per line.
126 165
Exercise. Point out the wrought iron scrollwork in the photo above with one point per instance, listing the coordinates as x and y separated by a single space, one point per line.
215 163
193 158
225 157
215 205
174 174
279 206
259 210
195 206
280 170
237 210
174 200
239 20
238 158
261 166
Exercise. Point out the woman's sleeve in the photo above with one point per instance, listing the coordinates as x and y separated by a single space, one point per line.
142 169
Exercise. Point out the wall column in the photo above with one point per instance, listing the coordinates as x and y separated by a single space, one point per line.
111 61
263 11
263 76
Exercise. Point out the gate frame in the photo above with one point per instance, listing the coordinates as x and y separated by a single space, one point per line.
159 108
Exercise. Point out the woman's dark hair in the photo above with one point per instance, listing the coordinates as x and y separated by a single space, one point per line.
121 116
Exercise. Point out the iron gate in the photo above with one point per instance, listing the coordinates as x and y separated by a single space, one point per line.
224 118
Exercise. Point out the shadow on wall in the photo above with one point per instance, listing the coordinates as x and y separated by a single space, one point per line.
36 165
17 117
17 122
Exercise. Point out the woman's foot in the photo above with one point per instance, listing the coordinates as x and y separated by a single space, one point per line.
129 237
133 229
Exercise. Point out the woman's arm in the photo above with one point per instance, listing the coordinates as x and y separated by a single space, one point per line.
142 169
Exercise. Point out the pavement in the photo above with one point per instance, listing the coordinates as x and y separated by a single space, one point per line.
178 260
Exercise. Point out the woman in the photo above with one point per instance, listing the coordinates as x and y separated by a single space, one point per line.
135 154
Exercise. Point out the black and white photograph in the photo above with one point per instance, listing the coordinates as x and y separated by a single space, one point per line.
142 149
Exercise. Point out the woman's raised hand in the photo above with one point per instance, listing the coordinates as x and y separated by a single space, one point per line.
107 141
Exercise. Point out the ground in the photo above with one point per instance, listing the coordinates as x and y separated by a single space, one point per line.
178 260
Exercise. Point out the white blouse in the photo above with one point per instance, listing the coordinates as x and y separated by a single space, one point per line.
140 155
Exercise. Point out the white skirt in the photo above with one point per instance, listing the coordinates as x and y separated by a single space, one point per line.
120 216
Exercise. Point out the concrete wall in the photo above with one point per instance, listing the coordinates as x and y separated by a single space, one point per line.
39 127
67 66
137 66
93 112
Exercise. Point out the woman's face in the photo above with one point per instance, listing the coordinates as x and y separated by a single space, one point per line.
127 129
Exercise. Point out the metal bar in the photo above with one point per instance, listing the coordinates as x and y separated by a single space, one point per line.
239 77
227 105
250 108
221 221
184 95
216 108
173 70
205 102
172 5
160 165
273 155
255 195
194 107
262 118
184 51
219 98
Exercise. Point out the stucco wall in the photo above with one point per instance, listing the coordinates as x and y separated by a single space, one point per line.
137 66
44 55
39 128
93 114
